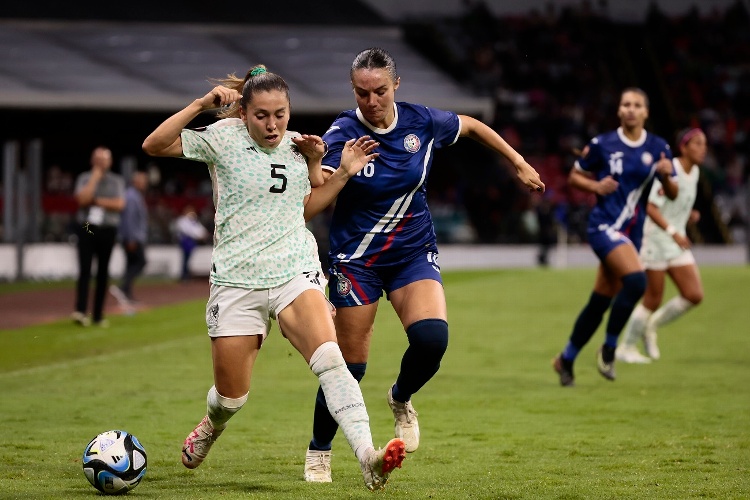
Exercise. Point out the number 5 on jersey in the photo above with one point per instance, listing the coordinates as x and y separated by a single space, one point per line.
277 172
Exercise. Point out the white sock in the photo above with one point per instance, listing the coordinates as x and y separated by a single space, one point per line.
343 397
670 311
221 409
637 326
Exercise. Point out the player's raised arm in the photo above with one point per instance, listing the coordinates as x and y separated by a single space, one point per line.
354 156
165 140
313 147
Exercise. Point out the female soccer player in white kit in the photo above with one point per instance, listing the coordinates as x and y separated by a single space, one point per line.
265 262
666 250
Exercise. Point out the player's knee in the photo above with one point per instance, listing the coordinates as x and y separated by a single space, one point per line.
695 297
634 285
430 336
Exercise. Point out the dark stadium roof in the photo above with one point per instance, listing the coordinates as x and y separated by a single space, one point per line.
105 65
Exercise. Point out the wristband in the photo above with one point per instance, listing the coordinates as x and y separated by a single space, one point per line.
670 230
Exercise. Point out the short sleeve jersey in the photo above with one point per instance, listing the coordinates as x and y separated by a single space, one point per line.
260 239
381 215
633 165
656 241
111 185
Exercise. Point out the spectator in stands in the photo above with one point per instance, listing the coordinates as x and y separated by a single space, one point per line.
619 167
666 250
133 236
383 239
190 233
265 264
100 194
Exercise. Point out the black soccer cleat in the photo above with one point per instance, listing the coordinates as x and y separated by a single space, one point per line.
605 362
564 368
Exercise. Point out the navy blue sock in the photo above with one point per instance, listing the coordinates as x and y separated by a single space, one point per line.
633 288
324 425
585 326
428 341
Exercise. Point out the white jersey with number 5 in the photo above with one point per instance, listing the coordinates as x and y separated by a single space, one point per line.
260 240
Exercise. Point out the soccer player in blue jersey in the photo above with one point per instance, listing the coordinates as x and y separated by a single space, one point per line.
382 239
619 167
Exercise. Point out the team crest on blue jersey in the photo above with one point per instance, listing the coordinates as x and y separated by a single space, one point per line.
343 285
647 158
411 143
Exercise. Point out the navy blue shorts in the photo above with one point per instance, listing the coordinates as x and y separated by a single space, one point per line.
604 241
353 284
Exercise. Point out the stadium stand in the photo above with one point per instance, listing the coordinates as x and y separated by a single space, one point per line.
548 80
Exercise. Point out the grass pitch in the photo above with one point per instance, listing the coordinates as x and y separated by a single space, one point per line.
495 423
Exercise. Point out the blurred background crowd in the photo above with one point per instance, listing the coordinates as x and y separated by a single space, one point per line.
553 76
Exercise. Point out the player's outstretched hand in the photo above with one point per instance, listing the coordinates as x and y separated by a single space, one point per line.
530 177
219 96
357 153
312 146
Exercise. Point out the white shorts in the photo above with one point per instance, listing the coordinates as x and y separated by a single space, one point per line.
684 259
232 311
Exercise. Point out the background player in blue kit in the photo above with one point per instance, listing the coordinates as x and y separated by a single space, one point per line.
382 239
619 167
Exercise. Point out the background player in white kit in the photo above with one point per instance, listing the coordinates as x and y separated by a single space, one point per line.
666 250
265 262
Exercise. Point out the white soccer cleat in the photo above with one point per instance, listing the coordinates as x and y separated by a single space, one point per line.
650 345
318 466
198 443
406 424
379 464
80 318
629 354
122 299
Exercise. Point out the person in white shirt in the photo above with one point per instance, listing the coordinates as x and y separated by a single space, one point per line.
666 251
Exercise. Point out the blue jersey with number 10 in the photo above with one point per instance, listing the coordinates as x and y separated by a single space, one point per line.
633 165
381 216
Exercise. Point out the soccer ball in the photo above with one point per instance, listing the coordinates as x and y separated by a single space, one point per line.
114 462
